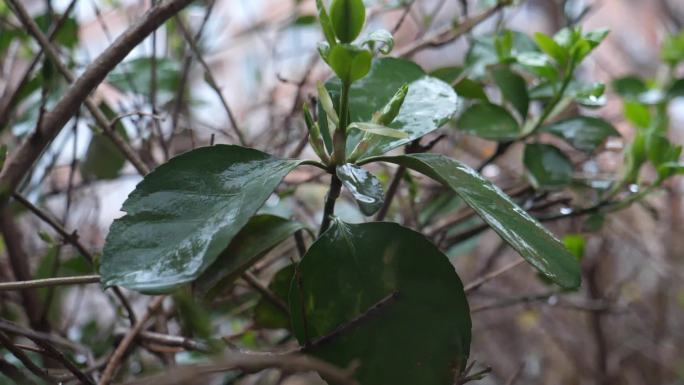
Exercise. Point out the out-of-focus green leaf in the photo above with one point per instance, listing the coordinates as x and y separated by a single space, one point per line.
396 279
513 88
547 166
103 160
575 244
585 133
629 87
471 89
672 51
483 52
489 121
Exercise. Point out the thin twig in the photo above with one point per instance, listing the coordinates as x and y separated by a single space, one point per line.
266 292
25 360
23 158
494 274
211 80
117 356
49 282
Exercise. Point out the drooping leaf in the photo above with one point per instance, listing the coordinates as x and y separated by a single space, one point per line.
429 104
585 133
261 234
547 166
489 121
364 187
529 238
185 213
513 88
266 314
392 279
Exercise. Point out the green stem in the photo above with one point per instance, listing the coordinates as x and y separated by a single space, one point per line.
340 136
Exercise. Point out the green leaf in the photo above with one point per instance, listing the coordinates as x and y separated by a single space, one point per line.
103 160
529 238
513 88
585 133
429 104
547 166
261 234
185 213
364 187
349 63
471 89
378 129
489 121
414 321
551 48
672 51
326 24
538 64
348 17
638 114
266 314
575 244
676 90
483 53
304 20
136 76
629 87
447 74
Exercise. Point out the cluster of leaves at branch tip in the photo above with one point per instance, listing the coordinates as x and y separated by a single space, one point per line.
370 107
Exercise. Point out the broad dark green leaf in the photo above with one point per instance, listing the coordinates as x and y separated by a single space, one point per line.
266 314
513 88
103 160
447 74
185 213
415 322
529 238
261 234
585 133
489 121
364 187
429 104
547 166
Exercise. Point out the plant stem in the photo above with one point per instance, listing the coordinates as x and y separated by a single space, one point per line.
333 194
339 157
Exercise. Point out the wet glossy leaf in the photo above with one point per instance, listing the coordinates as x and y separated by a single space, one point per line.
429 104
348 17
261 234
585 133
266 314
489 121
547 166
538 64
394 280
364 187
380 39
185 213
529 238
513 88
